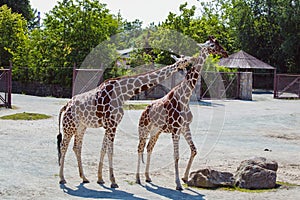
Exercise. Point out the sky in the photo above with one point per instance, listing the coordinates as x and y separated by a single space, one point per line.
145 10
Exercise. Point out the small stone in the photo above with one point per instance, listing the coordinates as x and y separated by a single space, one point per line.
267 150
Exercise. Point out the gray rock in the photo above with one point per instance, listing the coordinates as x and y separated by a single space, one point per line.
208 178
256 173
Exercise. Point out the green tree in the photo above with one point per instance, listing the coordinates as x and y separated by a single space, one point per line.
129 33
289 22
156 43
13 34
267 29
81 25
70 32
179 33
211 22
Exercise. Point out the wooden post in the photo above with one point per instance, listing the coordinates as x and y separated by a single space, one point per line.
9 82
245 86
275 82
238 84
74 79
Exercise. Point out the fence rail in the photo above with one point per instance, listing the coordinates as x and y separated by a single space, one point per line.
287 86
220 85
212 85
85 79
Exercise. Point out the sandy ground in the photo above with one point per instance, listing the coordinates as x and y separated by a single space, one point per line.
225 132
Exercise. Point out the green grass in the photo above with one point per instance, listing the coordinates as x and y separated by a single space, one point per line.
245 190
137 106
25 116
130 182
278 185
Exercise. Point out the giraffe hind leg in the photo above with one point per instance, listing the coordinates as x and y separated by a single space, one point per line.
77 150
142 143
150 146
175 137
188 138
63 149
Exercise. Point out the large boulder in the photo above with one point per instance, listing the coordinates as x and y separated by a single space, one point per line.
256 173
208 178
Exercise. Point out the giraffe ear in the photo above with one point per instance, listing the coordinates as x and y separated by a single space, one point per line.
174 57
211 38
201 45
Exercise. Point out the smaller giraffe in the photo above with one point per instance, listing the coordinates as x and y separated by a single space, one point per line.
171 114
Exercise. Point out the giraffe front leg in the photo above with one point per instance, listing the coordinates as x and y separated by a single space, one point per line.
175 138
111 171
148 179
77 149
188 138
108 145
110 160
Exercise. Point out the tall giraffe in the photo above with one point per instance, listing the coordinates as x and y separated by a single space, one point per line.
102 107
171 114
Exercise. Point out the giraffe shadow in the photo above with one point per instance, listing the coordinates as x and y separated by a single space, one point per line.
173 194
206 103
84 192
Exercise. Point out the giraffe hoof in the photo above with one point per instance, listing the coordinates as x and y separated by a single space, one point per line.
114 185
184 180
101 182
148 180
62 182
85 181
138 181
179 188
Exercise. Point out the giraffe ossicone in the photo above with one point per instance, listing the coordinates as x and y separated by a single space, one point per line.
171 114
102 107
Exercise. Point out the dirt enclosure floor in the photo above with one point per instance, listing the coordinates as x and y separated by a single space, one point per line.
225 132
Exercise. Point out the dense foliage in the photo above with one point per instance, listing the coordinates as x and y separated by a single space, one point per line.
22 7
267 29
13 34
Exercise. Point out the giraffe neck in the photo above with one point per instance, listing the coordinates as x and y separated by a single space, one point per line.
186 87
132 85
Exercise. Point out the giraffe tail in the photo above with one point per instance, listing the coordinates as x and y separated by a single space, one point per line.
143 158
59 136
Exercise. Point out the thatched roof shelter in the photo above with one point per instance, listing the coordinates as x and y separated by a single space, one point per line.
243 60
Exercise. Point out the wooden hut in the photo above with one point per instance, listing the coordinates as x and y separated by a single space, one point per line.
263 73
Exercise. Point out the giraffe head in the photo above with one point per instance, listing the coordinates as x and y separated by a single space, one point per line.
213 47
183 61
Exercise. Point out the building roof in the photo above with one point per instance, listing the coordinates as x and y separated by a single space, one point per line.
125 51
243 60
